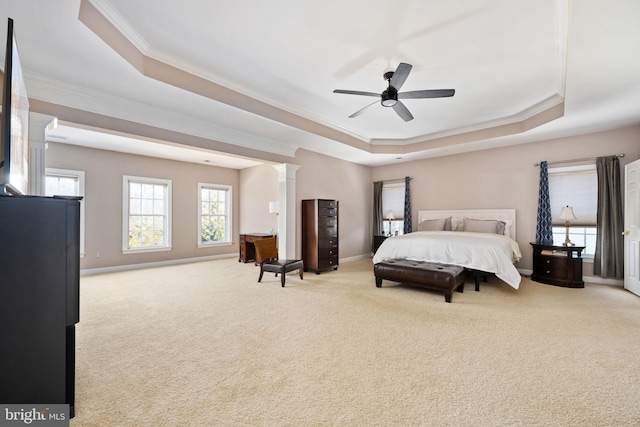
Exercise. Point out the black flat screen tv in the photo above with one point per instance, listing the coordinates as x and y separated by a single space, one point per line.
14 140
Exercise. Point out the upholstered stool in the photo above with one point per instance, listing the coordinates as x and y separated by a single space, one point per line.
267 258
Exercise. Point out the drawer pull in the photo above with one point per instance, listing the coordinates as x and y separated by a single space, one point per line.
548 261
548 272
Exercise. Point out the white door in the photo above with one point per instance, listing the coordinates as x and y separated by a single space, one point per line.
632 227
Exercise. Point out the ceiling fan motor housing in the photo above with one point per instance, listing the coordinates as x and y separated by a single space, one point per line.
389 97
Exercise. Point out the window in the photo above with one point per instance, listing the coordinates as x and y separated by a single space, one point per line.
146 214
65 182
575 186
393 200
214 216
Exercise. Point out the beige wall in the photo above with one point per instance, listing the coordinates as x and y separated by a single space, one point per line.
253 188
258 187
503 177
497 178
323 177
103 202
319 177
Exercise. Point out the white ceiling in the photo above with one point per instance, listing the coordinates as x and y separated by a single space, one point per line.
261 75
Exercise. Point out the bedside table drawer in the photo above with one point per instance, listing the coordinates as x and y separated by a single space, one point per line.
551 261
552 273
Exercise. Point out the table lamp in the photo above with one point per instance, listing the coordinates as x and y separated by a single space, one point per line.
389 216
274 208
567 215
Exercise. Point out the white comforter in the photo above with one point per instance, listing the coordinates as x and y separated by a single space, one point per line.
492 253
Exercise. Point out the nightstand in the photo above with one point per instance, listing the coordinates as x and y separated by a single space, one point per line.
377 241
558 265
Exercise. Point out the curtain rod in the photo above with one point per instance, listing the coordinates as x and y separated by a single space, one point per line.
397 180
574 160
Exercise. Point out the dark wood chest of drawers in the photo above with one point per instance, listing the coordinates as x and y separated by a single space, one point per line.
320 235
558 265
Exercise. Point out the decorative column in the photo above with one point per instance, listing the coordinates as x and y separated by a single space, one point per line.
287 207
38 124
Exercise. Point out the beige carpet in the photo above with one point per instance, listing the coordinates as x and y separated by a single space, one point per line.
204 344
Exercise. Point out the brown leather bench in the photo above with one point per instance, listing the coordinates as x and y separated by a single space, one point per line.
420 273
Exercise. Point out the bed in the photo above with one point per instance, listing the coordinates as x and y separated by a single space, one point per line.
479 240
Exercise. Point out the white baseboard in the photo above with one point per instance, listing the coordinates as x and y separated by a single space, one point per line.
116 268
355 258
86 272
113 269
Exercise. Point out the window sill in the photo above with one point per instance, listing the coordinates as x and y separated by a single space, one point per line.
213 245
146 250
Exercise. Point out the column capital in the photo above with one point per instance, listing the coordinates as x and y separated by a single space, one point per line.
286 170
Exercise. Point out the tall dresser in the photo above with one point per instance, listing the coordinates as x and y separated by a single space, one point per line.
320 235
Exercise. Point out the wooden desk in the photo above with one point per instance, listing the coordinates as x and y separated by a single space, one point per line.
247 249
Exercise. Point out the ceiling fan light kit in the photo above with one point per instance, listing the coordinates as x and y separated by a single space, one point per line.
390 96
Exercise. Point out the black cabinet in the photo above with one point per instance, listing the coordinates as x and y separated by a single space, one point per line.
39 299
377 241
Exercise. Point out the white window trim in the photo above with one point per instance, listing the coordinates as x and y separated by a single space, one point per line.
229 212
126 179
80 176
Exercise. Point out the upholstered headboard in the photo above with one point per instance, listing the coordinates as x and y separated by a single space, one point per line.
457 216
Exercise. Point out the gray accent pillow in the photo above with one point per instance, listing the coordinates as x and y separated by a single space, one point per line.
440 224
483 226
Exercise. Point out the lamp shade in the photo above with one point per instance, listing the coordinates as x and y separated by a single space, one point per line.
567 214
389 215
273 207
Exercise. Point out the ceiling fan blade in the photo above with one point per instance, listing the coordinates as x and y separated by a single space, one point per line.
431 93
400 75
362 110
356 92
402 111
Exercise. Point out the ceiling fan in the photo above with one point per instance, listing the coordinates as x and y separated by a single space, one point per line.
391 97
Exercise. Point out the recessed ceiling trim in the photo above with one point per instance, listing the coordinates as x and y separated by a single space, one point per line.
52 91
547 108
116 32
496 131
83 118
93 18
119 22
108 139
